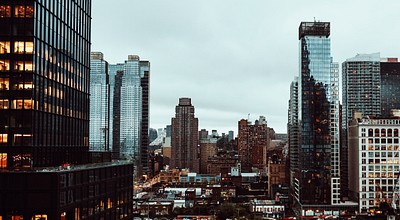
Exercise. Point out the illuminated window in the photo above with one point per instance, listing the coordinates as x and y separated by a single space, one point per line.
4 84
19 11
19 47
4 47
5 11
17 104
3 162
24 160
17 217
19 66
29 12
39 217
4 65
29 47
28 104
3 138
28 66
28 85
4 104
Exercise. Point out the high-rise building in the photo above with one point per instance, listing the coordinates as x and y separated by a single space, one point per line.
316 167
231 135
99 125
361 90
44 118
185 137
253 142
390 89
129 108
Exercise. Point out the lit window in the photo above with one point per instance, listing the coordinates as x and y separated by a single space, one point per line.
29 12
4 65
3 161
28 85
28 66
5 11
4 84
3 138
3 103
29 47
4 47
19 47
40 217
19 11
19 66
27 104
17 104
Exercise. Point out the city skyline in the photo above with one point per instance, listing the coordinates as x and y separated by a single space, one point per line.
207 51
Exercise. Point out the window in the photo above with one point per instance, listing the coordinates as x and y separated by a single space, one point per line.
19 11
4 65
40 217
29 14
4 47
5 11
4 84
19 66
21 47
3 161
22 139
3 138
4 104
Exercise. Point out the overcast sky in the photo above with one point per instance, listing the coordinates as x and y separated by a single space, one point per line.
233 57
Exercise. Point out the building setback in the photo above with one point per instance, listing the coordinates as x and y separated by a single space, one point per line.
185 137
46 169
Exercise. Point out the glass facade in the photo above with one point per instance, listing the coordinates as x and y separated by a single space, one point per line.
44 76
390 89
99 104
318 102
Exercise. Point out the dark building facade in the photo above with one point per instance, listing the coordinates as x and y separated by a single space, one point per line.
185 137
46 169
314 123
390 89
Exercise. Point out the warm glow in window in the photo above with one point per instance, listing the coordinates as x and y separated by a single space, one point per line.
28 104
4 84
19 47
17 217
4 65
3 161
29 12
3 103
19 11
19 66
5 11
28 66
4 47
29 47
40 217
28 85
17 104
3 138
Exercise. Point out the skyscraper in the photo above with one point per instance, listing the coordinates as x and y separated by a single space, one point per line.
361 90
390 89
185 137
316 173
44 118
99 125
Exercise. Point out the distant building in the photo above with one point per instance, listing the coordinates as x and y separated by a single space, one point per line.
231 136
390 89
99 125
373 160
208 148
185 137
253 142
203 134
153 134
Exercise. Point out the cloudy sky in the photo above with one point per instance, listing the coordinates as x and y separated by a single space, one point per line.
233 57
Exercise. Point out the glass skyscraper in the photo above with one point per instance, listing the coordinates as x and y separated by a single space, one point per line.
316 174
390 89
99 103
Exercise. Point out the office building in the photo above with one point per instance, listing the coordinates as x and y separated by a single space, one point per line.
374 166
115 72
253 142
99 125
44 118
390 89
314 123
185 137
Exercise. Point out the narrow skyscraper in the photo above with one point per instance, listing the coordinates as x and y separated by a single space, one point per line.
99 125
390 86
185 137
